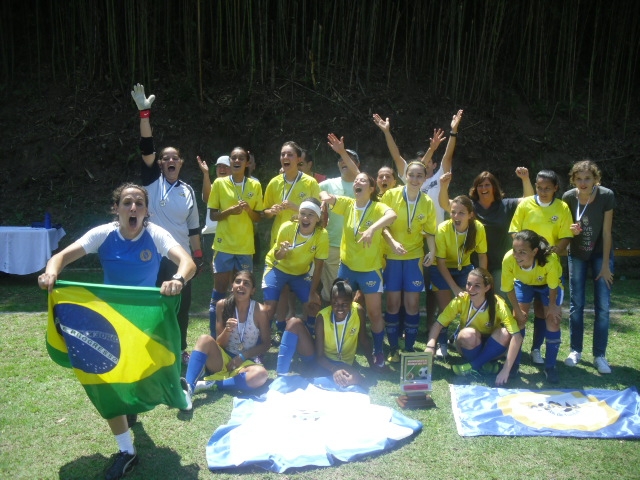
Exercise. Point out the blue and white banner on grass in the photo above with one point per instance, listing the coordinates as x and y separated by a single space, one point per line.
557 413
299 424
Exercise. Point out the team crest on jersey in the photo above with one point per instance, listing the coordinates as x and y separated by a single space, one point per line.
250 194
314 248
421 217
219 239
301 195
540 278
352 332
371 283
368 223
554 219
146 255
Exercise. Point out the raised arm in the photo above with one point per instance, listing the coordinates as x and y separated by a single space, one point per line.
337 145
385 126
447 159
434 143
144 106
443 195
206 180
527 187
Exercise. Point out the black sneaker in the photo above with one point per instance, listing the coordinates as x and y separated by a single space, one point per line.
122 464
552 375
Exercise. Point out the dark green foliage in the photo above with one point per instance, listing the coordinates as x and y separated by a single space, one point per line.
564 52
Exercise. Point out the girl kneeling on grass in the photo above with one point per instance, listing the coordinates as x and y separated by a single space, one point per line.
242 333
532 272
340 330
456 240
486 331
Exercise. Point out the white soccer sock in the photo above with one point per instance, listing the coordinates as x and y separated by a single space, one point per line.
125 442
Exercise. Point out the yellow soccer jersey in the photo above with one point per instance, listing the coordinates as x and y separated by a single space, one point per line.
423 221
278 190
234 234
460 307
450 245
303 252
552 222
550 274
355 255
333 335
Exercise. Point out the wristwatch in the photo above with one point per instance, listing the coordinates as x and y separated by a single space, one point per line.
180 278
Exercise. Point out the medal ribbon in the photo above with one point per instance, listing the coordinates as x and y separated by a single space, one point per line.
164 193
355 217
578 214
410 215
233 184
340 342
460 250
243 329
479 310
286 193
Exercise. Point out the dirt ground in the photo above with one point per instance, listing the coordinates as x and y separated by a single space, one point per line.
65 149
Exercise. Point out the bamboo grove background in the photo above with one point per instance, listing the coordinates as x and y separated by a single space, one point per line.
570 52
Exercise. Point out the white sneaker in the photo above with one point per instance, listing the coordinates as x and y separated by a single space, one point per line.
202 385
186 389
441 352
602 365
573 359
536 357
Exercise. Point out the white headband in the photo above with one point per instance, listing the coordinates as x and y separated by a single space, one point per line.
311 206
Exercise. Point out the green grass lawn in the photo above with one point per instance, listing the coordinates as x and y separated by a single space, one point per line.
49 428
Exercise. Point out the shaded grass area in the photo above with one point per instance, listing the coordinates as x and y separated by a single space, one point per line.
49 429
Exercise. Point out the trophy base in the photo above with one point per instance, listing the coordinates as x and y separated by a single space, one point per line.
415 401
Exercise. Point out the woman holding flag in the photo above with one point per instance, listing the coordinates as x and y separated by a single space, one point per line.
130 250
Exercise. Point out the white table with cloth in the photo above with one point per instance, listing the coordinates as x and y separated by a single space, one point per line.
25 250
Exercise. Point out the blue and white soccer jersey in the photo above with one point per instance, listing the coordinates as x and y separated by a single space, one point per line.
132 262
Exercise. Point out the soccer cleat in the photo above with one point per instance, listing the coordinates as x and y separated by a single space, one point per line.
185 357
536 356
573 359
441 352
203 385
602 365
186 388
552 375
490 368
394 356
378 360
122 464
463 370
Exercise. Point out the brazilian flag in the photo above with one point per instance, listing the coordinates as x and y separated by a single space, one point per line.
123 344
